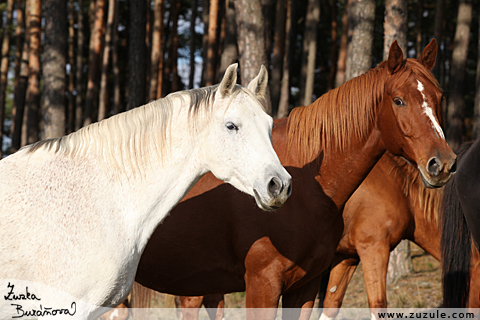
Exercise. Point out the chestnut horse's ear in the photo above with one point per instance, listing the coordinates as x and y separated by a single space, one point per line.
229 81
429 55
395 58
259 85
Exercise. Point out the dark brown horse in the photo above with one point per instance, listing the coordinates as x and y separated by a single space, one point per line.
390 205
216 241
461 232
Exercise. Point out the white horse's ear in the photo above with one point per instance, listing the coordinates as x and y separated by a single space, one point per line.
229 81
259 85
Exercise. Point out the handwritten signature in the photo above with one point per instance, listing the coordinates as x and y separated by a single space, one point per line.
38 312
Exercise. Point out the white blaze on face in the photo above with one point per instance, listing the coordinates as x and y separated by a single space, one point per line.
429 112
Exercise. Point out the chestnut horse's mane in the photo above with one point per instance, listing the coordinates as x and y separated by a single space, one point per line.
429 200
346 113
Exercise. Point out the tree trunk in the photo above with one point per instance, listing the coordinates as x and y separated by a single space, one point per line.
251 40
205 18
267 11
361 16
94 61
21 75
418 29
230 51
54 63
212 40
116 68
456 101
283 105
438 35
136 54
174 48
278 54
193 19
4 69
334 52
79 72
310 48
400 263
30 123
476 108
157 52
395 25
342 54
71 75
103 110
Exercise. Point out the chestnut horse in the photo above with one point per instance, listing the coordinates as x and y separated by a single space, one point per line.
328 147
461 231
392 204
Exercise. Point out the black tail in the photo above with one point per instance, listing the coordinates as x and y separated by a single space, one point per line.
456 247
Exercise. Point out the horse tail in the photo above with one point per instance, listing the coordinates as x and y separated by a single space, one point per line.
456 248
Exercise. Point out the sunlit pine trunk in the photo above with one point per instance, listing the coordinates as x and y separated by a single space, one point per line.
103 110
310 49
30 128
212 39
342 53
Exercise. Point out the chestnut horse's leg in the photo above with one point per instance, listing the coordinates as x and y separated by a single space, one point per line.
190 307
340 277
215 305
298 303
375 263
262 295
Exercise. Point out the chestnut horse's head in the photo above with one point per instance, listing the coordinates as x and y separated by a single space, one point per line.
409 117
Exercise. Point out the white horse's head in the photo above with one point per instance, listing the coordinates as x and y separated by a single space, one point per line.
239 148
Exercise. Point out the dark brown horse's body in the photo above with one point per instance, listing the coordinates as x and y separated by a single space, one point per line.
461 232
390 205
216 241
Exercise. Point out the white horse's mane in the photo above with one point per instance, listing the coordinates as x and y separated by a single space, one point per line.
129 139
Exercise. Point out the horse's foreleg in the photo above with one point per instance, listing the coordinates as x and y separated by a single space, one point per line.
215 304
340 277
375 263
190 307
263 292
298 303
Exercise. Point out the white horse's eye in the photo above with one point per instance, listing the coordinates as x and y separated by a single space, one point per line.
231 126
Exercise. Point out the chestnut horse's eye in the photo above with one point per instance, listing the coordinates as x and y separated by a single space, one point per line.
398 102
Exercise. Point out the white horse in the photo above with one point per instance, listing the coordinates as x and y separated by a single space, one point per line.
76 212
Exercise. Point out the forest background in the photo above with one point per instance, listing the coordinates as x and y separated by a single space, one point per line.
67 63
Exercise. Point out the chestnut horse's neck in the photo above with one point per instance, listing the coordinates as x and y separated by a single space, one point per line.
424 203
339 130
